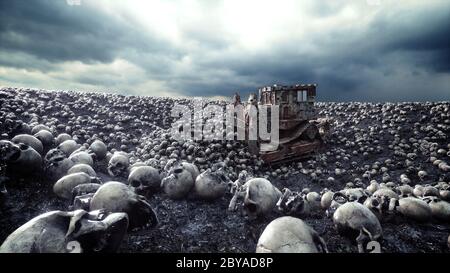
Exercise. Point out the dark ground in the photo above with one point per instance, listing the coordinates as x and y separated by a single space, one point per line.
199 226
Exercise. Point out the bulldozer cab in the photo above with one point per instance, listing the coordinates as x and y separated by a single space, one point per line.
296 102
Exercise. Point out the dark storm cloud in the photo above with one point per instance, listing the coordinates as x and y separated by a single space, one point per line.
426 33
410 41
55 31
396 55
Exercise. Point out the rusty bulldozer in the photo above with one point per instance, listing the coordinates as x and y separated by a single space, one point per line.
301 134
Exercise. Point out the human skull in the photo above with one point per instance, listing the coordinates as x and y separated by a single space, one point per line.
118 165
373 187
430 191
8 151
192 169
61 138
387 192
56 164
444 193
414 209
40 127
29 140
46 138
358 222
338 199
211 185
439 209
325 201
20 159
422 175
118 197
355 194
405 190
290 235
178 183
62 232
261 197
81 157
313 199
69 146
144 178
99 149
418 191
84 168
64 186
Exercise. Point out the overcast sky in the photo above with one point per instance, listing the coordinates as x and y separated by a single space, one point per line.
365 50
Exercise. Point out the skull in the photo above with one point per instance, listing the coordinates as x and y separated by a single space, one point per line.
69 146
385 192
21 159
56 164
430 191
8 151
192 169
118 164
118 197
84 168
414 209
358 222
40 127
422 175
382 206
418 191
61 138
260 197
62 232
405 190
337 200
290 235
29 140
325 201
355 194
81 157
99 149
211 185
444 193
145 178
64 186
178 183
373 187
46 138
439 209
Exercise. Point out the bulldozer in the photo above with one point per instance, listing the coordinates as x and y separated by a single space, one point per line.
301 133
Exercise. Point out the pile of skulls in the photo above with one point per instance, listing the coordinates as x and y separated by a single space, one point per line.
384 162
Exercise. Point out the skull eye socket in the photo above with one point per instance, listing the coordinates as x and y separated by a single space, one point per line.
252 207
135 183
375 203
23 147
178 170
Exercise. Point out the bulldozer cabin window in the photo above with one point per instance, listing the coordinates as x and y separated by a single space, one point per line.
284 97
302 96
